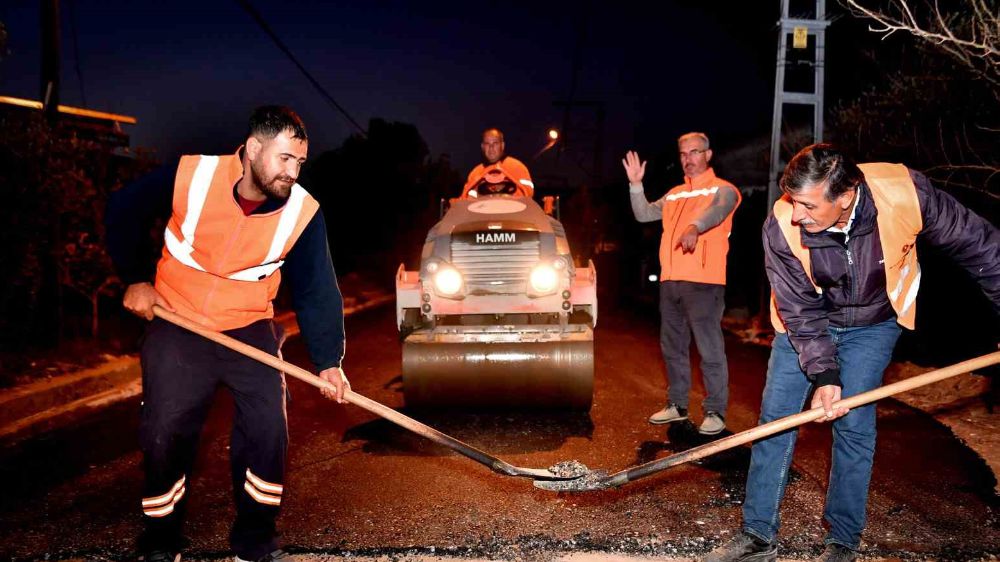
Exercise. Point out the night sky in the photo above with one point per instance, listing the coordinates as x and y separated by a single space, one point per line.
191 71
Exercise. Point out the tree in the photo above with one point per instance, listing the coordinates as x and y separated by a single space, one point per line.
55 186
380 195
969 34
935 104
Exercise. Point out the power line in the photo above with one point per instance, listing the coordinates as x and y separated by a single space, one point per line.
267 29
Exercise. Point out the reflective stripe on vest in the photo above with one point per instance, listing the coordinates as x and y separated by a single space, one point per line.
197 193
899 222
286 225
682 205
511 167
220 267
705 192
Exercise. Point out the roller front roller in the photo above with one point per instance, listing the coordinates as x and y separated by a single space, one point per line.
541 375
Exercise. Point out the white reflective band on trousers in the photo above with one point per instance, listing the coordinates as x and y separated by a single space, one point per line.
160 506
261 490
198 193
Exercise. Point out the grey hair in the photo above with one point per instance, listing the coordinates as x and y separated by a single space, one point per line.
821 164
695 135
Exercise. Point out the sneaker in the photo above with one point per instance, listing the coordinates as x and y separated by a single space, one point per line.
670 413
276 556
160 556
837 553
744 548
713 424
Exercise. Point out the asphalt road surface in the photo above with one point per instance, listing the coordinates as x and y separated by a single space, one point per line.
358 485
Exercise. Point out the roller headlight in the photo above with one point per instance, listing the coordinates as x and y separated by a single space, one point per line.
544 278
448 281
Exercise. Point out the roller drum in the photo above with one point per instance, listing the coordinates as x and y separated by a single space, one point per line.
512 375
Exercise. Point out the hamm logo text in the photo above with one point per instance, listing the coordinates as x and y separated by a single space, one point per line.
496 238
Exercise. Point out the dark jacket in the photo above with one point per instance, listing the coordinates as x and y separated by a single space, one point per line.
852 276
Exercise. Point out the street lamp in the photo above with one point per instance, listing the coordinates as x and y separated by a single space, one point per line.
553 135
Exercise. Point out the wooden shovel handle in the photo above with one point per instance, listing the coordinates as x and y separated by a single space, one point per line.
350 396
795 420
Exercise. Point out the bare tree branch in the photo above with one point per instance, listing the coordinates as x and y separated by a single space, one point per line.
983 30
971 36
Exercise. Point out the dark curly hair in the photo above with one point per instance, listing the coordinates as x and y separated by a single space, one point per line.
268 121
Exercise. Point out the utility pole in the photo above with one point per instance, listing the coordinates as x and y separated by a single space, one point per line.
50 58
589 133
801 29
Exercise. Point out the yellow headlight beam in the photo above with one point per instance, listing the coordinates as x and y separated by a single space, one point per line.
544 278
448 281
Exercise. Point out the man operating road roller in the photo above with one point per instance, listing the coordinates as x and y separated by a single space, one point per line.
498 173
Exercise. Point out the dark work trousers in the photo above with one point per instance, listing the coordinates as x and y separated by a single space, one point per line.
694 308
180 373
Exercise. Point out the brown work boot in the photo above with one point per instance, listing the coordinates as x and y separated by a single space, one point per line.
744 548
837 553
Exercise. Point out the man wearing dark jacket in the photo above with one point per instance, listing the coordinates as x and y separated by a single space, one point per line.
840 254
236 223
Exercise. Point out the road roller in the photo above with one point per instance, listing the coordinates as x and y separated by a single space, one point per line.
498 316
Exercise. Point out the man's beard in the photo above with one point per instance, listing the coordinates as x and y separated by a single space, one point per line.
279 187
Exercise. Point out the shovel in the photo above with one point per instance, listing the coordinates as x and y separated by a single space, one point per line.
562 471
600 481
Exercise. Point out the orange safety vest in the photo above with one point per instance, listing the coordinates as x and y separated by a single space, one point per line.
514 169
683 204
219 266
899 222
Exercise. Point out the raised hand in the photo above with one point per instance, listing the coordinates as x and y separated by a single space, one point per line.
634 168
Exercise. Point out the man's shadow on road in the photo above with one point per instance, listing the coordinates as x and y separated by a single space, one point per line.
731 465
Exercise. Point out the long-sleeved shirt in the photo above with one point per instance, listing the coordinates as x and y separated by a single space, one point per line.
308 268
723 203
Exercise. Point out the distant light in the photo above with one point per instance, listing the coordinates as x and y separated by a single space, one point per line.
553 134
652 278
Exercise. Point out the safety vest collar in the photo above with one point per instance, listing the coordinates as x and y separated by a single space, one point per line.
891 188
234 168
288 212
704 179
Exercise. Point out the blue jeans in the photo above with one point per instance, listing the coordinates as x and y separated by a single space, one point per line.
863 354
